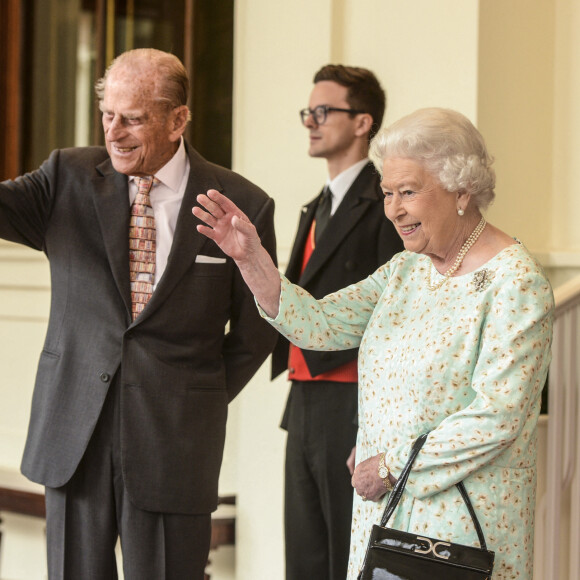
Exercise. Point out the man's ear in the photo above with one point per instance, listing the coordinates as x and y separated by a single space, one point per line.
364 124
179 121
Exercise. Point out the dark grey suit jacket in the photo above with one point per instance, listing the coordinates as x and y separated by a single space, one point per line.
358 239
178 365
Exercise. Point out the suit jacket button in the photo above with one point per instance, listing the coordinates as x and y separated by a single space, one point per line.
105 377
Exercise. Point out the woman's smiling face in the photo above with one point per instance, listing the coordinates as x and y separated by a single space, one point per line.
424 213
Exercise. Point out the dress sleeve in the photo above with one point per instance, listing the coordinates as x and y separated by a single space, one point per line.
498 426
335 322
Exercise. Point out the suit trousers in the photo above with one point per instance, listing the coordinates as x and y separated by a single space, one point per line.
318 492
86 516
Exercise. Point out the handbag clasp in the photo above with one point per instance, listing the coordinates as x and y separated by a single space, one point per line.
432 547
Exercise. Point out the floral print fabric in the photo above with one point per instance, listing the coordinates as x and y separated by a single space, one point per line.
466 362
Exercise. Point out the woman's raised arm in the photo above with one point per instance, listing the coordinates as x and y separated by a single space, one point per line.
237 237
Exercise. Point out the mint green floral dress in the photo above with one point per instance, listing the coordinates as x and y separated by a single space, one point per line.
466 362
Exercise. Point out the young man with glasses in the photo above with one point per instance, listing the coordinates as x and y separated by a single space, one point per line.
343 236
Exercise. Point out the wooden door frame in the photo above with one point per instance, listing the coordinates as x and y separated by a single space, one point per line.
12 77
11 88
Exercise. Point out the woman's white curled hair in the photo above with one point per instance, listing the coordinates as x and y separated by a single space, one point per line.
449 147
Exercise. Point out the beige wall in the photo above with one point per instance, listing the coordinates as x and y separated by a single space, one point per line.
24 303
516 112
279 47
511 66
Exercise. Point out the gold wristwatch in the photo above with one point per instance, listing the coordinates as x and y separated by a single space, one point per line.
384 473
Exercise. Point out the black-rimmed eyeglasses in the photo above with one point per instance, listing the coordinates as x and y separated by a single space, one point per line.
320 113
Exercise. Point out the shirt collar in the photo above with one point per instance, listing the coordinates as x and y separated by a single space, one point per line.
342 182
171 174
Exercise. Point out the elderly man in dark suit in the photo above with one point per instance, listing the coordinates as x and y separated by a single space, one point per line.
343 236
152 332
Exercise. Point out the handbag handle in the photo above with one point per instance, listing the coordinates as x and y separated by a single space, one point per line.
397 492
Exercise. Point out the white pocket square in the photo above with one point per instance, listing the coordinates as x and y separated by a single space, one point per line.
209 260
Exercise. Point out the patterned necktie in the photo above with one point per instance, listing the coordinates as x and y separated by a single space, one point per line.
142 246
322 214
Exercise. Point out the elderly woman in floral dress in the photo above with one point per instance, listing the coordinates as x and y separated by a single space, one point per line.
454 337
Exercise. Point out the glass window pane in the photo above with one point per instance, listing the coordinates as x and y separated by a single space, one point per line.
65 40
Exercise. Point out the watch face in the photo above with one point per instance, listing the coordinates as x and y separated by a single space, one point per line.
383 472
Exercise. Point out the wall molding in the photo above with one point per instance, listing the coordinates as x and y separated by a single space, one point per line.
10 252
558 258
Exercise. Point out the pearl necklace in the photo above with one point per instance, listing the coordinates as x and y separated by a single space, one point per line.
464 249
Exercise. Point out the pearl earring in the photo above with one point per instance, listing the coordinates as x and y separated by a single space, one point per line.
460 211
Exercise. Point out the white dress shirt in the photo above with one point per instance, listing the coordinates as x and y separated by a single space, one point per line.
166 199
342 182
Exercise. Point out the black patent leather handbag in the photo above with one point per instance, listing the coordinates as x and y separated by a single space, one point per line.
392 554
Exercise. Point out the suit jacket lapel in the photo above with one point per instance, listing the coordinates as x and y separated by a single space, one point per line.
111 200
112 205
350 211
304 224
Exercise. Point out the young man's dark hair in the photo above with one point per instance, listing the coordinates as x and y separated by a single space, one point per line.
364 90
